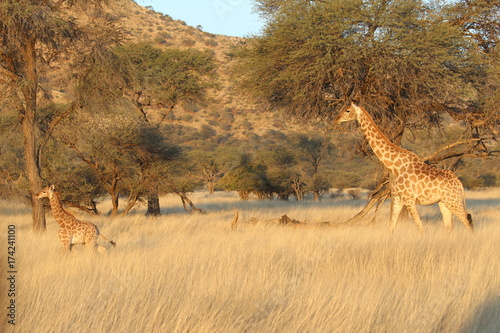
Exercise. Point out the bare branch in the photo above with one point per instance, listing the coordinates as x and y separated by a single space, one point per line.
455 144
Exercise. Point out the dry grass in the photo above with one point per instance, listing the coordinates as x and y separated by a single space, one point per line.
192 273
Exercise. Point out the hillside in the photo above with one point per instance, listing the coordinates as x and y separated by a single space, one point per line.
235 118
236 112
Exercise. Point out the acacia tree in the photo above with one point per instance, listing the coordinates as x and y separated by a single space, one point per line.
479 20
126 156
33 36
210 165
406 60
123 147
163 80
403 58
314 151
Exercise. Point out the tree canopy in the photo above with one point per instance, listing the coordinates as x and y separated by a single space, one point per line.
402 58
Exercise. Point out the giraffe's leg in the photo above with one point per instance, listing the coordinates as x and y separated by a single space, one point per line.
396 207
446 216
65 246
65 242
412 209
91 241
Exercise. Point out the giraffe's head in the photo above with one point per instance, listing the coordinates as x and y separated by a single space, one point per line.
46 192
348 114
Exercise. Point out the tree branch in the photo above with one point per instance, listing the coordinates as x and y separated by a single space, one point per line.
458 143
46 136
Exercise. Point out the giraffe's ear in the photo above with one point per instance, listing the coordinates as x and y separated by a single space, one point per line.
354 102
53 187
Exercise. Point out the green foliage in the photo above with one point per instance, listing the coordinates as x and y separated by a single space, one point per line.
211 42
313 150
399 57
280 166
168 76
11 156
78 182
210 162
125 155
318 185
279 182
246 178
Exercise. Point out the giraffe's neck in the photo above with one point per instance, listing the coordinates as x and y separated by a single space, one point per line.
387 152
57 208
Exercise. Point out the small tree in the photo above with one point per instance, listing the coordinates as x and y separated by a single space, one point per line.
246 178
166 79
318 184
210 165
79 184
127 156
34 35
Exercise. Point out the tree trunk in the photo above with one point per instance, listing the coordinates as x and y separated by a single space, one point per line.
30 133
112 189
185 200
211 187
153 205
33 170
132 199
114 200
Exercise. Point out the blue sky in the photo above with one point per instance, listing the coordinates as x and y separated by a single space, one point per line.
225 17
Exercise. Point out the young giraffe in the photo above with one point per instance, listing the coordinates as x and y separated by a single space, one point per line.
412 181
72 231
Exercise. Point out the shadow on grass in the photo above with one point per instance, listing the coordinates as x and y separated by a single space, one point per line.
486 318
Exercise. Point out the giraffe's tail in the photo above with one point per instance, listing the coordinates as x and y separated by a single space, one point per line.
110 241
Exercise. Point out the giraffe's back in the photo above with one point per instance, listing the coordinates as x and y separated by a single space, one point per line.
84 232
426 184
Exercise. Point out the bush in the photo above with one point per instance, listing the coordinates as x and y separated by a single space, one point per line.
472 182
188 42
489 180
211 42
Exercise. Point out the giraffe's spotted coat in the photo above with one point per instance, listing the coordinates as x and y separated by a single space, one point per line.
412 181
72 231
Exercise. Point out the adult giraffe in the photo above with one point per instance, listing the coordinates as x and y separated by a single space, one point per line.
412 181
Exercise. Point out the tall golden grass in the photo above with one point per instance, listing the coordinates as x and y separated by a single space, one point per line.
193 273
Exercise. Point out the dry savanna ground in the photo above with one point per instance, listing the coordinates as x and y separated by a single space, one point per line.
194 273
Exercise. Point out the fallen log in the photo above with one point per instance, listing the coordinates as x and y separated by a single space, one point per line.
284 220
